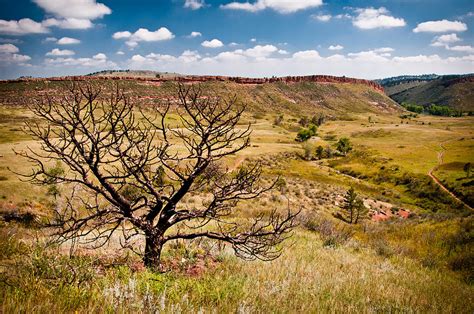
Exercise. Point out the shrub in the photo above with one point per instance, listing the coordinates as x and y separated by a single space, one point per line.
344 146
332 234
308 150
318 120
320 152
305 134
304 121
278 120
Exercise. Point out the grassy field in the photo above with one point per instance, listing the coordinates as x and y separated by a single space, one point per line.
308 277
420 264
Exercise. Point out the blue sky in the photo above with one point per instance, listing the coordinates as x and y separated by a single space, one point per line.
366 39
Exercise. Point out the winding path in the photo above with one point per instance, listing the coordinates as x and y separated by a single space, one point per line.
437 181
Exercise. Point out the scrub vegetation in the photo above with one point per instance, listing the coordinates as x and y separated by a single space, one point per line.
373 231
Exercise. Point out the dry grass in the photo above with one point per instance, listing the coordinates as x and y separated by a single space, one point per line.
308 277
388 267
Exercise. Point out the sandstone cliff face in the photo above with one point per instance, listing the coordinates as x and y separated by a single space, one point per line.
198 79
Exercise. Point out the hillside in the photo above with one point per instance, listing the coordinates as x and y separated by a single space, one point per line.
455 91
414 238
134 73
339 97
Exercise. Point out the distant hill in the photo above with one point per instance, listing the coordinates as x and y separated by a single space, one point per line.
135 73
339 97
454 91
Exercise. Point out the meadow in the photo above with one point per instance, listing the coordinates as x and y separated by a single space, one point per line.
420 264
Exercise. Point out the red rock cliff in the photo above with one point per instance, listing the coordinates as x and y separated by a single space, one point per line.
238 80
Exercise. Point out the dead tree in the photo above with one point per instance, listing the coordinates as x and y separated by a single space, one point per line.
129 170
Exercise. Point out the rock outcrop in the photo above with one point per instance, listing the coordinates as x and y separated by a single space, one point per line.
198 79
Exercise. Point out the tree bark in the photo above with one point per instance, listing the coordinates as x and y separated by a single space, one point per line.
153 247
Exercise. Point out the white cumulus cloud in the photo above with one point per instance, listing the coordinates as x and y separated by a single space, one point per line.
78 9
465 48
444 40
94 63
371 18
59 52
336 47
380 54
22 27
120 35
9 48
72 14
307 54
259 51
143 34
194 4
368 64
322 17
194 34
9 55
69 23
100 56
68 41
281 6
442 26
215 43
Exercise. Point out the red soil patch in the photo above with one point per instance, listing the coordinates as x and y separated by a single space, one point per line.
384 215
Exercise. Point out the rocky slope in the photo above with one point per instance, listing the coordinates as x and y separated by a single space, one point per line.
298 95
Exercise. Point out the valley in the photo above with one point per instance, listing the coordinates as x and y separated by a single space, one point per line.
412 249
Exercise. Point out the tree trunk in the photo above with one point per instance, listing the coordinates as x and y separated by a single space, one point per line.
153 247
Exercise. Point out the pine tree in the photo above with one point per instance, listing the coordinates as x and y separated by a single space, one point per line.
353 207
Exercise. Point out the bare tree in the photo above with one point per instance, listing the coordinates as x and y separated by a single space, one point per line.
129 170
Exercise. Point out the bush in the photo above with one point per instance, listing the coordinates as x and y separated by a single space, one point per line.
305 134
320 152
344 146
278 120
332 234
304 121
308 150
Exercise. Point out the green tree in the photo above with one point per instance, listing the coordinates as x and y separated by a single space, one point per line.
344 146
305 134
353 207
53 182
313 129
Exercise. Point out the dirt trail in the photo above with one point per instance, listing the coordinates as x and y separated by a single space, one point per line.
437 181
